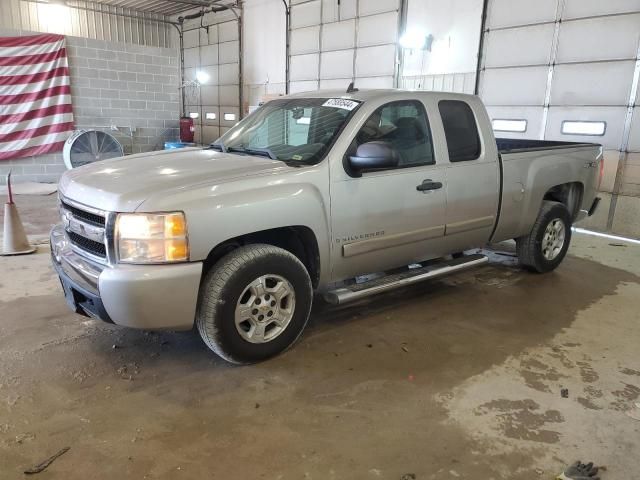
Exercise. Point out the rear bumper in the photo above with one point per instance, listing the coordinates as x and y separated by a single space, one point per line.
150 297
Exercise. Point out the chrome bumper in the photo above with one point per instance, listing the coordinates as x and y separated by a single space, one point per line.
150 297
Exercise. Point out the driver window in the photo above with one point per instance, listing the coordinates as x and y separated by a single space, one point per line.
404 125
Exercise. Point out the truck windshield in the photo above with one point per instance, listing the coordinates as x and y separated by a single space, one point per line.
299 130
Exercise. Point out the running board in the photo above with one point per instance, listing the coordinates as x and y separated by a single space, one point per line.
352 293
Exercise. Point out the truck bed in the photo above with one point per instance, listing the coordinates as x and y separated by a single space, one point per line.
512 145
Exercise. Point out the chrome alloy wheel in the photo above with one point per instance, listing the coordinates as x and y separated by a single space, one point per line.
265 308
553 239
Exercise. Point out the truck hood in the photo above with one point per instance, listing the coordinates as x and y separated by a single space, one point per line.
122 184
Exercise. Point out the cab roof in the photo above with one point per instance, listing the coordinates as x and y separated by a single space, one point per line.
369 94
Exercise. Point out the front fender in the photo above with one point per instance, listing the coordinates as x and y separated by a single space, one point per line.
222 212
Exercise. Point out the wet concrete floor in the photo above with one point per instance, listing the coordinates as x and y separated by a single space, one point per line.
456 378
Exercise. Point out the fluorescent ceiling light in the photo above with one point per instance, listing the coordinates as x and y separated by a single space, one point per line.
202 77
570 127
516 126
413 40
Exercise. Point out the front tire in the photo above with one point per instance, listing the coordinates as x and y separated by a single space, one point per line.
254 303
546 246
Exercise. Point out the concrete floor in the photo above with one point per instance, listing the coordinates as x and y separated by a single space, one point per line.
458 378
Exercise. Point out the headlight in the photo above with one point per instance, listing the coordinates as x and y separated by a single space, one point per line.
152 238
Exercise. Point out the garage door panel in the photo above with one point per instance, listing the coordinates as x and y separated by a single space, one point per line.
209 95
338 35
304 67
336 83
333 11
228 52
505 47
229 115
613 117
634 138
606 83
338 64
371 7
228 74
377 29
599 39
305 15
208 113
211 72
514 86
587 8
304 86
374 61
227 31
375 82
191 57
532 116
209 54
229 94
305 40
507 13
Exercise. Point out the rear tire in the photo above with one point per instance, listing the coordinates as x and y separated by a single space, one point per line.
546 246
254 303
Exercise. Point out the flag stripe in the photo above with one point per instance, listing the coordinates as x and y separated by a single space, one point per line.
34 77
29 97
27 69
35 122
45 102
34 141
32 49
36 132
31 59
36 115
35 87
31 151
30 40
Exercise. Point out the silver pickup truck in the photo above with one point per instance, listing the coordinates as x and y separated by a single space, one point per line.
311 192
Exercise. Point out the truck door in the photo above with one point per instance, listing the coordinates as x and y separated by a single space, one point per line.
473 182
388 218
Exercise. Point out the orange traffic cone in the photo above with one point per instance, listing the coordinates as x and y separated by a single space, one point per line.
15 240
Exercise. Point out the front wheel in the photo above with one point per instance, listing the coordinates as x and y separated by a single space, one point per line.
254 303
546 246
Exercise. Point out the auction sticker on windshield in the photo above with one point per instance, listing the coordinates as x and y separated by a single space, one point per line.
341 103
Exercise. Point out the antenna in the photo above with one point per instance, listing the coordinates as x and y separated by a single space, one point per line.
351 88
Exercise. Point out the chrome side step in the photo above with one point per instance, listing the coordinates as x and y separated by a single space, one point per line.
352 293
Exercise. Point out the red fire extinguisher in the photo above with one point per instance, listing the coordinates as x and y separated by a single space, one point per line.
187 129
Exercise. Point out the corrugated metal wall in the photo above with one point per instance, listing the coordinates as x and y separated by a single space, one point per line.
98 21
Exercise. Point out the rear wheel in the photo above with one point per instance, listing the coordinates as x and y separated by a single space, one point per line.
546 246
254 303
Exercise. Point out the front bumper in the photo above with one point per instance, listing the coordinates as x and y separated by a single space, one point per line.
150 297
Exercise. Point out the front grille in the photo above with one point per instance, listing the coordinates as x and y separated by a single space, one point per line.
85 229
85 216
95 248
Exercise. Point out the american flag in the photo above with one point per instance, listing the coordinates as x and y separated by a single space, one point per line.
36 116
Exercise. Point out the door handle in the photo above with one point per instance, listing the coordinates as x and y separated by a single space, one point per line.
428 185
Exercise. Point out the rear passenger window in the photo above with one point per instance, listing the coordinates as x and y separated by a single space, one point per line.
461 130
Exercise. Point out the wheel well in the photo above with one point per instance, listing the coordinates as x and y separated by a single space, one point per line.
298 240
569 194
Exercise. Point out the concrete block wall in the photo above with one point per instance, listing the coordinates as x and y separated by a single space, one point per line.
132 87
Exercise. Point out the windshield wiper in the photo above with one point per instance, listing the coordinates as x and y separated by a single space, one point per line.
263 152
218 146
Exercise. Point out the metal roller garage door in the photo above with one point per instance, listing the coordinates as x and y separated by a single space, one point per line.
215 103
569 70
335 42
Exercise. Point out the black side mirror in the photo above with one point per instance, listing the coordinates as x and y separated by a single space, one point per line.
373 156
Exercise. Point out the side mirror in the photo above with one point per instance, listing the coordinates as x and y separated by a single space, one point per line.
373 156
